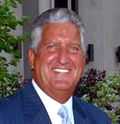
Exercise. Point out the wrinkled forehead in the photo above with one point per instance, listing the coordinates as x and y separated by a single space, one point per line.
63 30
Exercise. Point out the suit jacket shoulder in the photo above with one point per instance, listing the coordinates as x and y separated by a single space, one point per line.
90 113
25 107
10 109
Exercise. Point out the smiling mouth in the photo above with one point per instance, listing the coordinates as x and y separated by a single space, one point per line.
61 70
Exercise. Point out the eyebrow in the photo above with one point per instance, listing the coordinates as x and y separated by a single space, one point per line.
49 42
57 42
78 44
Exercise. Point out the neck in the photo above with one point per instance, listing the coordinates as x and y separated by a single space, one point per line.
60 96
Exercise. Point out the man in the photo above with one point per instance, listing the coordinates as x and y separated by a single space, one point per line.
57 59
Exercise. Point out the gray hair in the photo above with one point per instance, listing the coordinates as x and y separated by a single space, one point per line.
52 16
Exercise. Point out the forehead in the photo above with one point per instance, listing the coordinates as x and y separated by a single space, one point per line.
64 29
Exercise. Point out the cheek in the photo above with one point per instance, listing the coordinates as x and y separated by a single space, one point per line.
79 65
43 66
78 61
43 72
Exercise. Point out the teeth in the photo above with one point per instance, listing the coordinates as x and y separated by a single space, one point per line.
61 70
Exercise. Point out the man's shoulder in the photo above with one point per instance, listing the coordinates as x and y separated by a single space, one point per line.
85 105
91 111
11 109
14 100
10 102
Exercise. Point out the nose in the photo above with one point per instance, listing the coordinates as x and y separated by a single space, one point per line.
63 57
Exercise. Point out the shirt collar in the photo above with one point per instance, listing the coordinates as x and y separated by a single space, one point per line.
50 103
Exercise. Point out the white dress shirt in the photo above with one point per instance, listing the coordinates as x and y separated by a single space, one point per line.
52 106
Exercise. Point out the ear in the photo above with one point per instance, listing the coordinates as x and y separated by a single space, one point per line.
31 57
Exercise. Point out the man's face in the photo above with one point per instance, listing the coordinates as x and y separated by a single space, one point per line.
58 61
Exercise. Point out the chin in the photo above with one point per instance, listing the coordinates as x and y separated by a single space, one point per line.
60 84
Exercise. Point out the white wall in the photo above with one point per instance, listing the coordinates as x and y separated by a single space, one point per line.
102 18
44 5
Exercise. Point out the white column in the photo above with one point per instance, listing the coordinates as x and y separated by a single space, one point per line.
69 4
44 5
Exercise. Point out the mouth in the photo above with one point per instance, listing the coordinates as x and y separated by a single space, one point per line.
61 70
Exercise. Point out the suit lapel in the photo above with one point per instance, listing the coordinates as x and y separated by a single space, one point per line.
79 115
33 109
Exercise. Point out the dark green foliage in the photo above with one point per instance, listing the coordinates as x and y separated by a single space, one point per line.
103 91
9 43
8 24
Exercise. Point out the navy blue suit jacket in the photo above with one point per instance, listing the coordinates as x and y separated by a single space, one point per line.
26 108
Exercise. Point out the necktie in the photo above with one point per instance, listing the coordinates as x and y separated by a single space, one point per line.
63 113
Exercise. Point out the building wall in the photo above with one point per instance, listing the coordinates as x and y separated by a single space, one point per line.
44 5
101 18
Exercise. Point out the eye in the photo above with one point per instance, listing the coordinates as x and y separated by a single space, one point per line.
51 47
75 49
